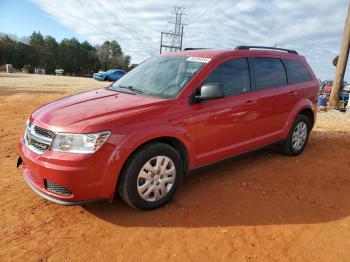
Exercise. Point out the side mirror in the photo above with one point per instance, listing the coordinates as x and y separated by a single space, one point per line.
210 91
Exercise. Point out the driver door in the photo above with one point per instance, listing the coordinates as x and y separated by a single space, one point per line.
225 126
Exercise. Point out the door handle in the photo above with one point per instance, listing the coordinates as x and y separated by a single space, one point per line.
292 93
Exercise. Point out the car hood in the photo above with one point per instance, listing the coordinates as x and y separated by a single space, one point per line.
76 113
100 74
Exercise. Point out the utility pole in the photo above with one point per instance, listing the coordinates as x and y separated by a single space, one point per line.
174 37
341 64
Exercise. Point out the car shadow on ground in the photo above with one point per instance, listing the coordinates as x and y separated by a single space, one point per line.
259 188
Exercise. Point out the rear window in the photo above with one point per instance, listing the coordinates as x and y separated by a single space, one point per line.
297 72
269 72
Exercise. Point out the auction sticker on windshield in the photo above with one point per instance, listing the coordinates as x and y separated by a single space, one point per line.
198 59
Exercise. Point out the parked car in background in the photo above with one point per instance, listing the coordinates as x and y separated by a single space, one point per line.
327 85
346 86
176 112
110 75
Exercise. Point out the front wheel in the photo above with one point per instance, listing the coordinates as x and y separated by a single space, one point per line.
151 176
297 137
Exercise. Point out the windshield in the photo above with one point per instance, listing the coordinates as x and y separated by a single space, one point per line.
160 76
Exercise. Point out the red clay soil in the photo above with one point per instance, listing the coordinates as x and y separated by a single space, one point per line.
259 207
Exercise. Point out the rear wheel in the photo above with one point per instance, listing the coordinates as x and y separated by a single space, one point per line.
151 176
297 137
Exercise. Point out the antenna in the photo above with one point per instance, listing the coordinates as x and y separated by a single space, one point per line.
274 47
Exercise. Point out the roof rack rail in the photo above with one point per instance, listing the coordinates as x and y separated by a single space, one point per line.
247 47
192 48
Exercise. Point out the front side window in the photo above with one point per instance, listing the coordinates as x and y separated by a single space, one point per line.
160 76
233 74
269 72
297 72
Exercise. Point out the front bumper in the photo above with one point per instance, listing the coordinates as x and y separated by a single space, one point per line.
42 193
84 175
99 78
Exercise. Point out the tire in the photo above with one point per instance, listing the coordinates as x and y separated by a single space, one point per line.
107 79
289 146
151 186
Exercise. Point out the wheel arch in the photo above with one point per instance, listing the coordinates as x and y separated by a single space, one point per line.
304 107
172 141
309 114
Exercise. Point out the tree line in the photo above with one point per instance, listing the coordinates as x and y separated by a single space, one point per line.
73 57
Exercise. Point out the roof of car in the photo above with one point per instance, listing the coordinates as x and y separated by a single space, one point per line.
214 53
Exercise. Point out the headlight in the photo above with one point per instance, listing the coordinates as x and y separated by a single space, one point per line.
79 143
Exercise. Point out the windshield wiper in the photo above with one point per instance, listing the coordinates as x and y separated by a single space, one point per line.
111 87
135 90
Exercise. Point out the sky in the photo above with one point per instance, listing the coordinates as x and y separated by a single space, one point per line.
312 27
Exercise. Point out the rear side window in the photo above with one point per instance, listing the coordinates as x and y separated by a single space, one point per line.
234 75
297 72
269 72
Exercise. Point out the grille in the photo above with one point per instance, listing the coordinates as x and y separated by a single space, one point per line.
38 139
56 188
44 132
39 145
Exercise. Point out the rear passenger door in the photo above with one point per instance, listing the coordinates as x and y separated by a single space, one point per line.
275 98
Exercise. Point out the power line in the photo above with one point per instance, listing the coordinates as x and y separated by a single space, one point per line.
205 10
200 22
175 35
191 6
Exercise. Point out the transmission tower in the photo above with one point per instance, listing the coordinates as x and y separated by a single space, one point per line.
172 41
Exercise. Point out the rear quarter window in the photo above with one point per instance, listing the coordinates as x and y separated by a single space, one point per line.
297 73
269 72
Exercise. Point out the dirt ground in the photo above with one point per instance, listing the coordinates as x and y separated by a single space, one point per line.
259 207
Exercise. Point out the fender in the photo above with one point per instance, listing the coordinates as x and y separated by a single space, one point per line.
301 105
133 141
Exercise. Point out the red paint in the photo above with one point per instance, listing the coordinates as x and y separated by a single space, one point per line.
210 130
327 88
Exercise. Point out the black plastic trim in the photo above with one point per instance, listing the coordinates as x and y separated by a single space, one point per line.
58 201
193 48
249 151
247 47
251 66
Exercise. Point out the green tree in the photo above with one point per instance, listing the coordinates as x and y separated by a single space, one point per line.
74 57
36 41
49 54
90 62
111 56
23 55
7 49
70 56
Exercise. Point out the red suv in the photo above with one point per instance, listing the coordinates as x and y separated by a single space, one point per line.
171 114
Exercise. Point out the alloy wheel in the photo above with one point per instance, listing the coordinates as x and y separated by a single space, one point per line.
299 136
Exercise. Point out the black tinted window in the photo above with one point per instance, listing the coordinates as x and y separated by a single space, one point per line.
297 72
269 72
234 75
